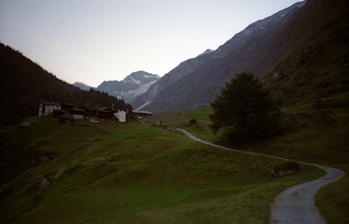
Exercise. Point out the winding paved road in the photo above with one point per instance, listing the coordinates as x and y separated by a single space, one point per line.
295 205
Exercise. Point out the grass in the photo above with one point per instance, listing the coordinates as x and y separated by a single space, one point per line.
318 137
14 142
315 136
182 120
136 173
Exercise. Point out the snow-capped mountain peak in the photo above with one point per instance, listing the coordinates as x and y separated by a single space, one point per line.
135 81
83 86
130 87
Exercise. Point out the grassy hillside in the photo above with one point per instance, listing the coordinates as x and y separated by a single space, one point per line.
313 135
312 84
318 137
135 173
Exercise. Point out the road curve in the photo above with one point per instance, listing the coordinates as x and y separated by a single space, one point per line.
295 205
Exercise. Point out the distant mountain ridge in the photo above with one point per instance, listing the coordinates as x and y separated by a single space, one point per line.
130 87
196 82
312 34
83 86
171 77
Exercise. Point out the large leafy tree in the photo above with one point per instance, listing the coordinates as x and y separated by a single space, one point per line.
245 111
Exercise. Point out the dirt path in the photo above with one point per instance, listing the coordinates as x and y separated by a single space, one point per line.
295 205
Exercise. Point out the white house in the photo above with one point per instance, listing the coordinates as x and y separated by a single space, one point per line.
121 116
46 108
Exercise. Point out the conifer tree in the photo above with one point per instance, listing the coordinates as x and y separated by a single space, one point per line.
244 110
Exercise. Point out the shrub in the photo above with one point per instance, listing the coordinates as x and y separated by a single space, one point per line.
193 121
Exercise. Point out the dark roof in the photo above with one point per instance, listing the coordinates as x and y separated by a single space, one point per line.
105 109
51 103
58 111
78 110
141 112
68 104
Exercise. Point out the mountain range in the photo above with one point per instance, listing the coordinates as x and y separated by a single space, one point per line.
127 89
259 48
200 79
173 76
171 91
185 86
301 53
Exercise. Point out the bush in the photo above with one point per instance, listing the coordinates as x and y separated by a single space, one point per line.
193 121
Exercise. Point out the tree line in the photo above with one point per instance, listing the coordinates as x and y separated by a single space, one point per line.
24 84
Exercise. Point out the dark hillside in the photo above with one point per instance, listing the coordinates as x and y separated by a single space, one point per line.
171 77
320 22
317 73
252 49
24 84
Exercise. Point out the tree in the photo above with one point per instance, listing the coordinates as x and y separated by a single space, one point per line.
245 110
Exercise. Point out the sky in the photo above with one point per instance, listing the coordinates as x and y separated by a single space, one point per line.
92 41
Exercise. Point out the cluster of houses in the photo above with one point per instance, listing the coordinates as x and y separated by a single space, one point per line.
69 111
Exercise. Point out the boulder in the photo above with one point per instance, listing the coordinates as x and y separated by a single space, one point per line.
285 168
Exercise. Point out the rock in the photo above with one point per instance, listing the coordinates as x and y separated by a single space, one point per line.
94 121
285 168
37 157
172 128
157 123
24 124
43 181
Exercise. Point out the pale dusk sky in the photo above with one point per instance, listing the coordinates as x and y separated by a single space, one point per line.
91 41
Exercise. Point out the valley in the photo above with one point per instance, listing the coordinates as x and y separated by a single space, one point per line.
148 170
137 172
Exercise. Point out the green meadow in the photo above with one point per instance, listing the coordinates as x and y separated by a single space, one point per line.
136 173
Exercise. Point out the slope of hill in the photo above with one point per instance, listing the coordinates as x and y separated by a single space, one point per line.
174 75
316 74
24 84
251 49
133 173
132 86
260 50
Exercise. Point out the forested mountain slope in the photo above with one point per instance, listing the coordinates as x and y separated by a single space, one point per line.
24 84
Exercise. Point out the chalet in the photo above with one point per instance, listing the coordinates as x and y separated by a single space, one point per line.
89 112
105 113
46 108
121 116
67 107
67 112
58 113
139 114
78 113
